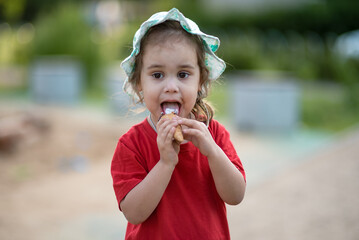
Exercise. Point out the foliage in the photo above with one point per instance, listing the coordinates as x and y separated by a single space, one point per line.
12 10
326 107
300 40
337 16
18 11
65 32
14 44
309 57
8 44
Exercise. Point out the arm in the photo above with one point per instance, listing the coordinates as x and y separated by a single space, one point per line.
143 199
228 179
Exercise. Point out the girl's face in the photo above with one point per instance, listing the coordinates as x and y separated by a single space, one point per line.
170 77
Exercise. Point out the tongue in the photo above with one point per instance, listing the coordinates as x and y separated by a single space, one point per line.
170 107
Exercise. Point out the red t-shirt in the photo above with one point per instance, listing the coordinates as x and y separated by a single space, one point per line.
190 207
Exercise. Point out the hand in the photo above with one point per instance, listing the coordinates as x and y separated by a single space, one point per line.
168 148
198 133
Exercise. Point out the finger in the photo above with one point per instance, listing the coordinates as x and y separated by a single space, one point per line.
192 132
163 123
191 123
167 130
176 146
169 137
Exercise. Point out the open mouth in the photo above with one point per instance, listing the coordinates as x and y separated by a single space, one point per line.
170 107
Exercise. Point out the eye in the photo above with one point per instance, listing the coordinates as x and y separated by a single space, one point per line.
183 75
157 75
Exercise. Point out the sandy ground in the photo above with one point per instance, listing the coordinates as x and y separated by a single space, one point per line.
58 186
317 199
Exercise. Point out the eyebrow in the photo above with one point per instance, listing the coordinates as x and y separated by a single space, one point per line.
188 66
154 66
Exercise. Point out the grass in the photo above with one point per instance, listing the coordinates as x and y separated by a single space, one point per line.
327 107
218 98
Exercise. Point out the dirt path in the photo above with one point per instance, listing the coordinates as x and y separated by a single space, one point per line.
61 206
58 185
318 199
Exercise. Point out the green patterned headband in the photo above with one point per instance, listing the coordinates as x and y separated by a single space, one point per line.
215 65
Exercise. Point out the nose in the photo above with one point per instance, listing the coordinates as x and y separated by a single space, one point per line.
171 85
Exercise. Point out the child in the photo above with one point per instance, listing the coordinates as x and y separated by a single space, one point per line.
165 189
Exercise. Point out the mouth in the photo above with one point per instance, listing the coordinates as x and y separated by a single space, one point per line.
171 107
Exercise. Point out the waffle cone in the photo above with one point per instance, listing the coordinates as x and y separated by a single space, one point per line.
178 136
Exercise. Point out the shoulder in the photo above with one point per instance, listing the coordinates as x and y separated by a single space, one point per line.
136 136
219 133
216 127
135 131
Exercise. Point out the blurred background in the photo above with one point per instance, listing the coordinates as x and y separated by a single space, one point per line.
289 97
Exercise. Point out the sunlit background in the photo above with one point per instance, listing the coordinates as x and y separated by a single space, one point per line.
289 97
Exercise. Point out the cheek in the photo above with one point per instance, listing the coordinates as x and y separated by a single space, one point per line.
150 93
143 85
192 96
147 95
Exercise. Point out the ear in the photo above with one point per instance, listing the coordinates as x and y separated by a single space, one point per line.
139 86
199 87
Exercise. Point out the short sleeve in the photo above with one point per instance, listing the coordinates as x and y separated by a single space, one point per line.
127 170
